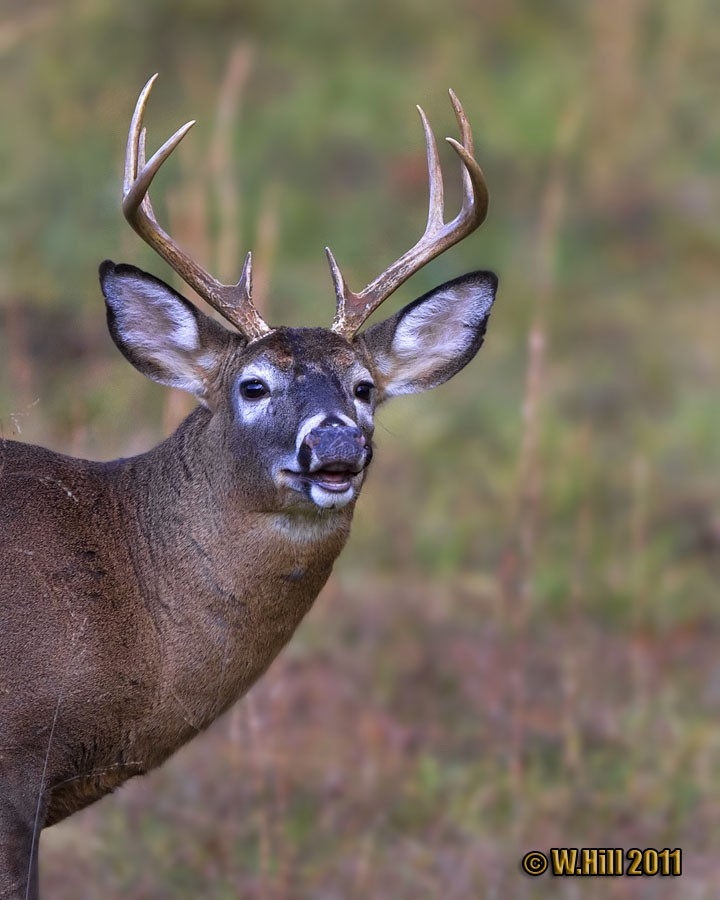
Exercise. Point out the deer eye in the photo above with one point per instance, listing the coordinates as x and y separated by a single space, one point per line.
364 391
253 389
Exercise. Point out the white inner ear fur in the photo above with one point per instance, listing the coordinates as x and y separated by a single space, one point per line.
157 328
155 321
437 325
433 333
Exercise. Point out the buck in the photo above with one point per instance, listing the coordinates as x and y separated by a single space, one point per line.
140 598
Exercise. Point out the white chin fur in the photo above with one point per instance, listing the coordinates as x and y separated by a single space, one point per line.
331 499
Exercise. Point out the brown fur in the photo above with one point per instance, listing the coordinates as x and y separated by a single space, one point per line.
126 670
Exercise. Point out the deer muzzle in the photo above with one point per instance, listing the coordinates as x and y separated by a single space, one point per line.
332 454
329 464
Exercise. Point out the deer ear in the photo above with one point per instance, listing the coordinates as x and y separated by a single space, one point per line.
160 332
433 338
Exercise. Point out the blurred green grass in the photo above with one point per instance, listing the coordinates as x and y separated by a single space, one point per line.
518 648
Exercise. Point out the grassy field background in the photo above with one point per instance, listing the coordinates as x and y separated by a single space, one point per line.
518 649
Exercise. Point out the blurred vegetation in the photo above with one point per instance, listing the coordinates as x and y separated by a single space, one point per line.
550 679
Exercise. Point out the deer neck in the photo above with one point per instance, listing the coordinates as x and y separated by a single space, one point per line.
225 582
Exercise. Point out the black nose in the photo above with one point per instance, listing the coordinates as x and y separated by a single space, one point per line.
333 442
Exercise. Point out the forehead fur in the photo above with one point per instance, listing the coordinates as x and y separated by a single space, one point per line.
303 348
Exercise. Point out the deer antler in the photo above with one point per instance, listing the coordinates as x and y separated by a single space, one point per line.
231 301
353 309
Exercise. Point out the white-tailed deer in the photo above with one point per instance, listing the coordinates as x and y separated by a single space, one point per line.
140 598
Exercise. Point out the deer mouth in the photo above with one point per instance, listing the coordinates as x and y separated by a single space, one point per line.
331 485
334 477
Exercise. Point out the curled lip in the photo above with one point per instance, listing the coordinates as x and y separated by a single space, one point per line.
336 477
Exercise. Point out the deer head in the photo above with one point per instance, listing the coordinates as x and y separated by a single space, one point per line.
297 404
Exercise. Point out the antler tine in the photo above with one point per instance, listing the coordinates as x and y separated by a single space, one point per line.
233 302
436 198
475 193
353 309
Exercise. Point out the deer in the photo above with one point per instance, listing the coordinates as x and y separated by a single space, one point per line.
141 597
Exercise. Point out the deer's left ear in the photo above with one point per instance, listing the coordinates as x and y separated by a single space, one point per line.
431 339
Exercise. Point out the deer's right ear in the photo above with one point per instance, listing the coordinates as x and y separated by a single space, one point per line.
160 332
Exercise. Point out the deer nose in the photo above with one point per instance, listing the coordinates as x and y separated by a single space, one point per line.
333 442
333 428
